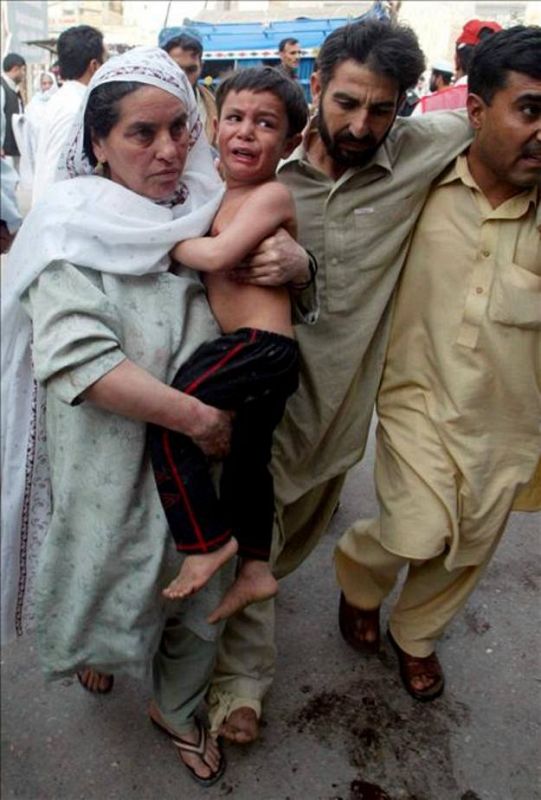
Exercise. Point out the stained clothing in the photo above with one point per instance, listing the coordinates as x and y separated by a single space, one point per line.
12 104
358 227
85 324
460 401
251 372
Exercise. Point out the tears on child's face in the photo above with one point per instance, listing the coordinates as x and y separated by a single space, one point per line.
252 136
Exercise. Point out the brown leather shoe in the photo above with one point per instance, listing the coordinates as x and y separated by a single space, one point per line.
354 622
412 667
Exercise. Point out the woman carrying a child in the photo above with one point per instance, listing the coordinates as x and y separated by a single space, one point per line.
110 324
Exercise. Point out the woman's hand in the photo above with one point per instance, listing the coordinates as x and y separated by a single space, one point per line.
212 430
279 259
133 392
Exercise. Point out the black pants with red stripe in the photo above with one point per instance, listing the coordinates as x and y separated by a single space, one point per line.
251 372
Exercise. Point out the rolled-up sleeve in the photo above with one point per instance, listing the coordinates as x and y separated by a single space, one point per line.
77 330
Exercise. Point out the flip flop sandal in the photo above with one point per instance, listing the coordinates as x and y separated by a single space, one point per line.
106 690
198 749
349 616
413 667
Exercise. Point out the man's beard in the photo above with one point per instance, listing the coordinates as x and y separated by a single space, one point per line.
348 158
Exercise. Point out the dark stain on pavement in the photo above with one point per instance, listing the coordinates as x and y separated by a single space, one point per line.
361 790
398 746
474 621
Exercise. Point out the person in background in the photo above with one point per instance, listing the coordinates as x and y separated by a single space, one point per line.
439 84
289 51
26 128
460 403
13 74
80 53
10 216
46 87
184 45
473 32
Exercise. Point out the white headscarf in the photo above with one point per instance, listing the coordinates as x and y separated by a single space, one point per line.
46 95
92 222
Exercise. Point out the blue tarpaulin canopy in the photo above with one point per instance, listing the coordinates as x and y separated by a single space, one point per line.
255 39
249 44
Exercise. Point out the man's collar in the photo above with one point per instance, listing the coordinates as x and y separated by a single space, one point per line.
515 207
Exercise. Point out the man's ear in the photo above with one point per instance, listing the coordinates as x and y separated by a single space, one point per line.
315 87
476 107
290 144
93 66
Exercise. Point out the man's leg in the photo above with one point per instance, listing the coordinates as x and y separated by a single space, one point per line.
431 597
246 651
366 572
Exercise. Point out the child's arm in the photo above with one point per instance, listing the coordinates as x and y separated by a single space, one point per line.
264 210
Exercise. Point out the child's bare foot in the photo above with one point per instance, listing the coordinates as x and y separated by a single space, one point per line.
254 582
197 570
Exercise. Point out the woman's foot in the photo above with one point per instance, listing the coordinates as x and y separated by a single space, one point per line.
241 726
254 582
94 681
197 570
198 751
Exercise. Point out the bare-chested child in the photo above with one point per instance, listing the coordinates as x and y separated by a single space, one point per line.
253 367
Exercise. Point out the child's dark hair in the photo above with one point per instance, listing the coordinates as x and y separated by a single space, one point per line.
268 79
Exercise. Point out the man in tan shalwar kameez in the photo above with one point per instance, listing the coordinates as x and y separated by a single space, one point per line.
459 406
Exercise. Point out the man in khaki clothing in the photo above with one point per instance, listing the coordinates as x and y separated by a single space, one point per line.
460 403
359 182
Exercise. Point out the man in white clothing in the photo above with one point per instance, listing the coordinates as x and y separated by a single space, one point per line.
80 54
472 34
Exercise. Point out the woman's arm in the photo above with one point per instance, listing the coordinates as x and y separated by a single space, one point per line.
265 209
130 391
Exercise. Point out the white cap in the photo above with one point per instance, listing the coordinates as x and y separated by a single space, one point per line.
443 66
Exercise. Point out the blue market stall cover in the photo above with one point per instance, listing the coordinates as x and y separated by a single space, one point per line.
245 40
250 44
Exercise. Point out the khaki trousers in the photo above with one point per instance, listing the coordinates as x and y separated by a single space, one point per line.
430 597
246 652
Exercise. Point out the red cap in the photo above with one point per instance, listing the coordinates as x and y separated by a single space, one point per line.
472 29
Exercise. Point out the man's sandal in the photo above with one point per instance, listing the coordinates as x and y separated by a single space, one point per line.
102 690
350 618
189 747
412 667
